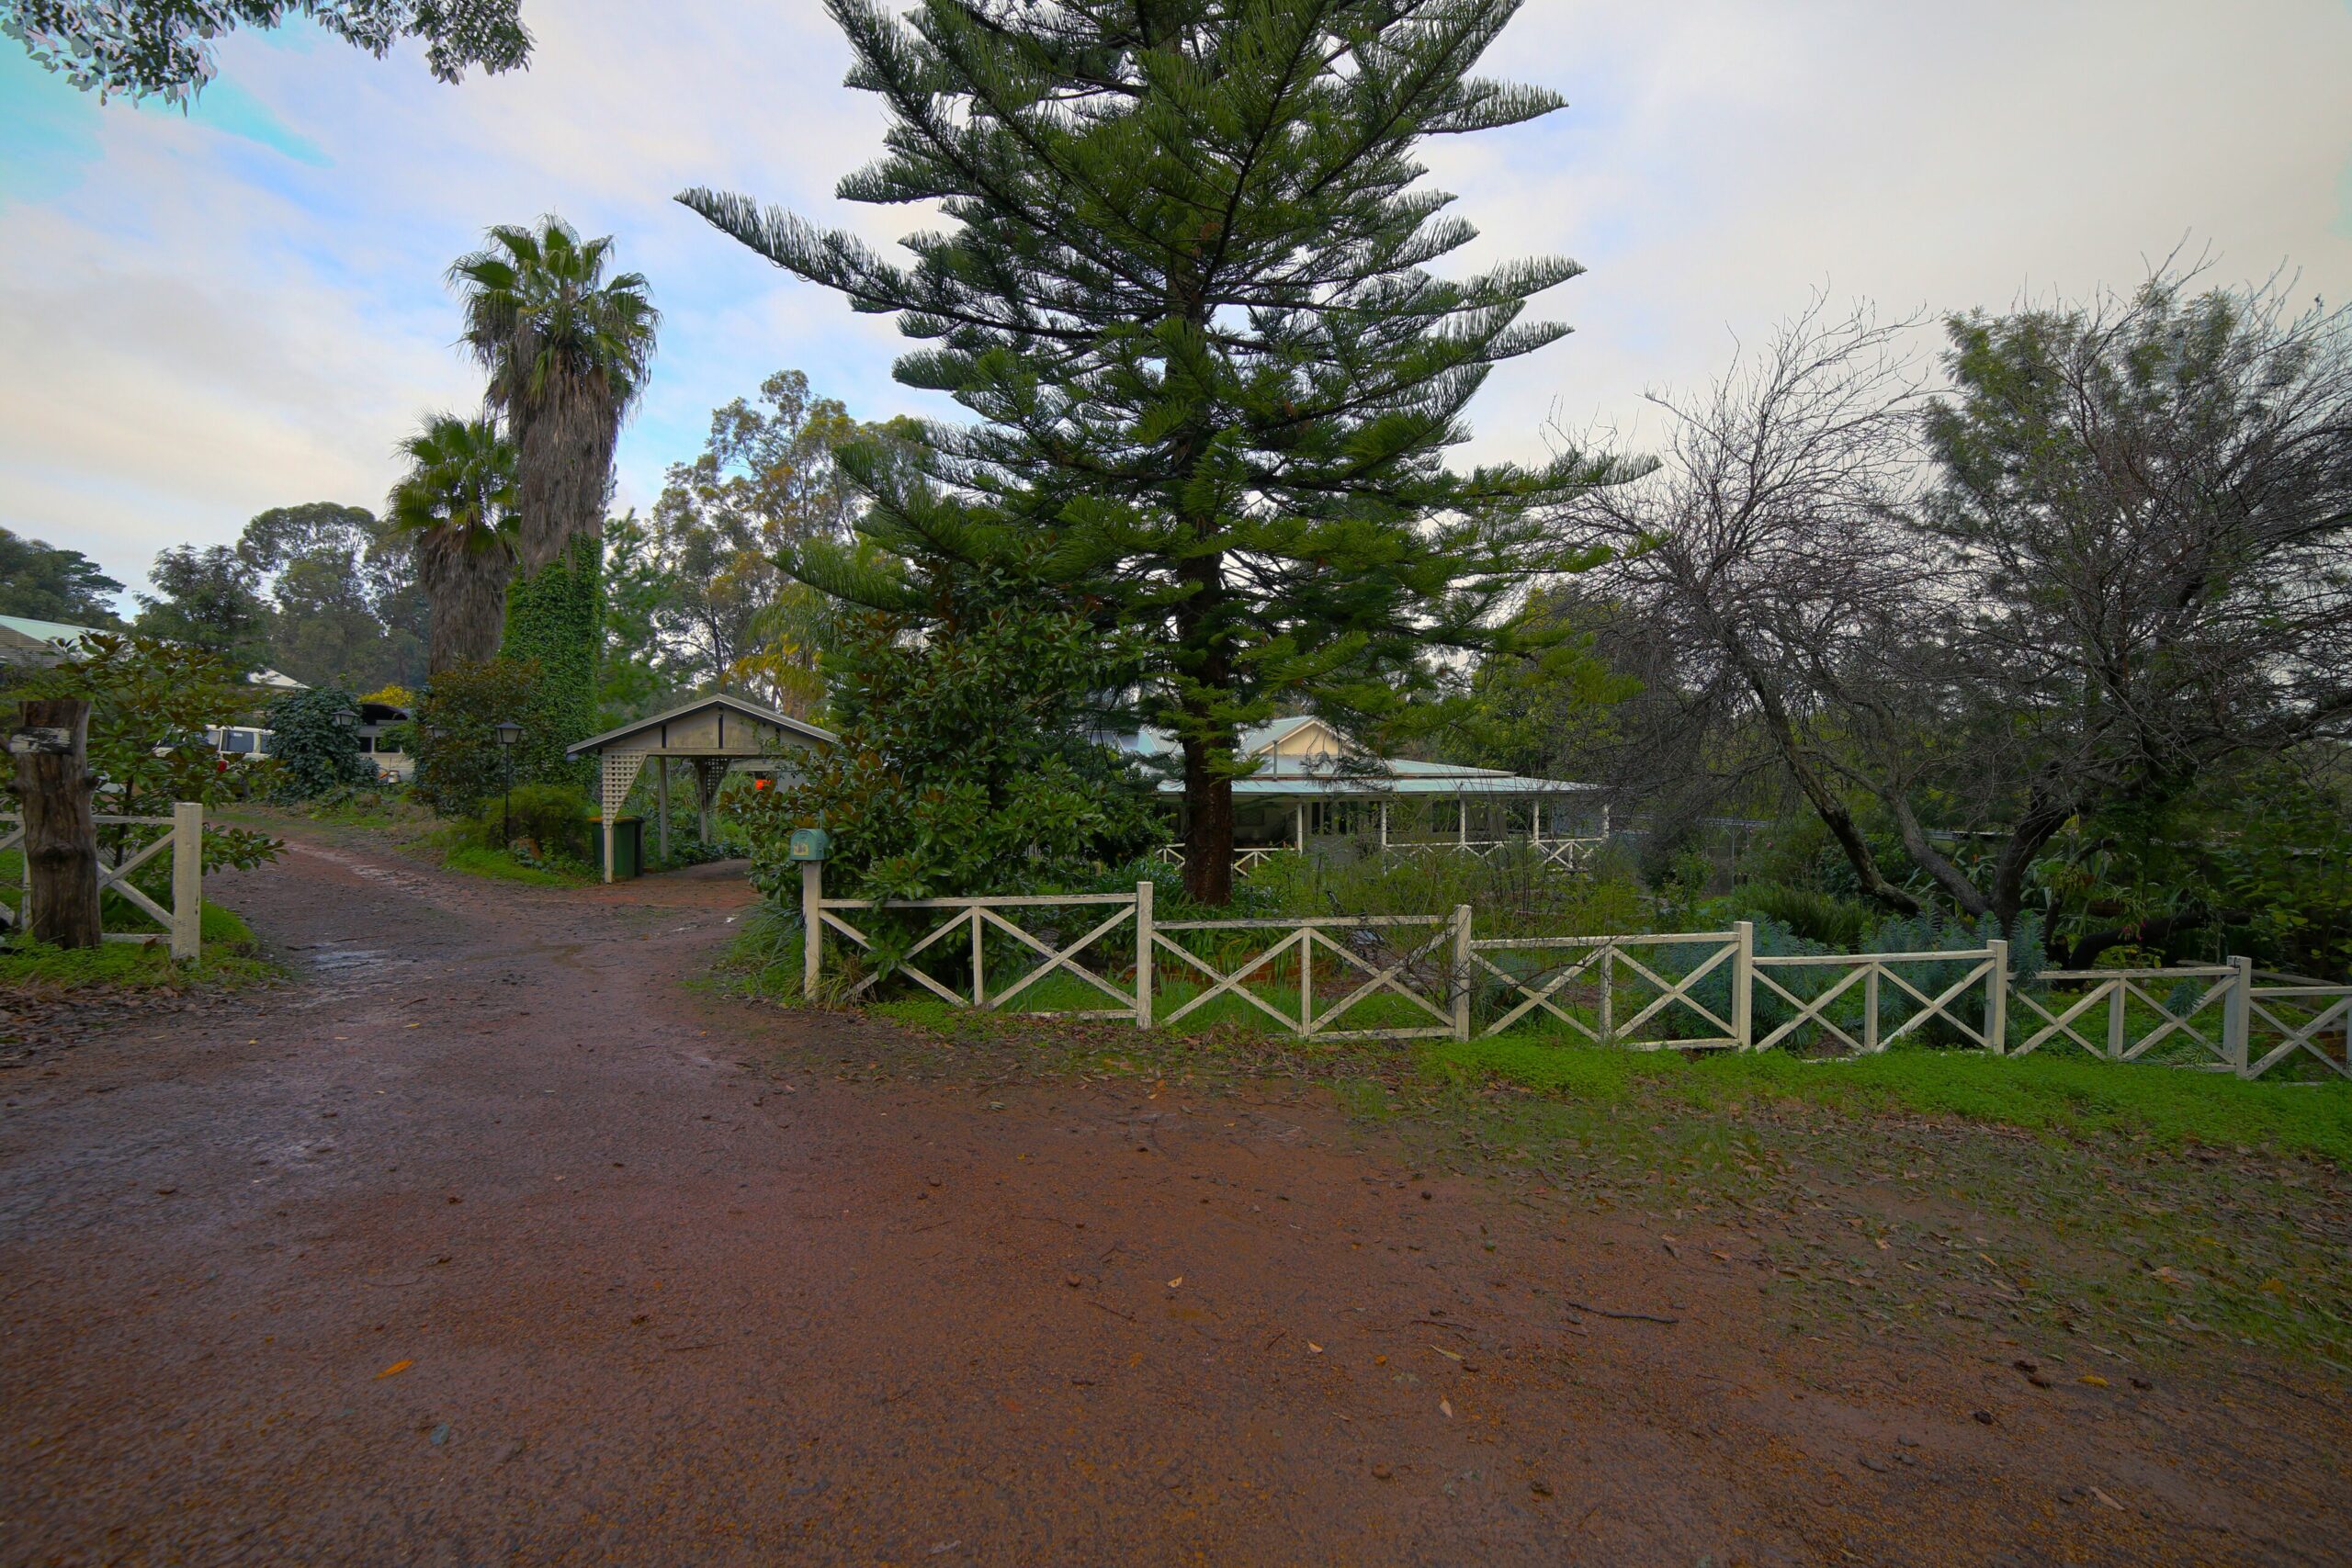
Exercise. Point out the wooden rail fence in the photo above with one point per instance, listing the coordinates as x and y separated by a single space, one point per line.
1429 976
182 921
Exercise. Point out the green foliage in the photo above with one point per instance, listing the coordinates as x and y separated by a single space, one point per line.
1545 713
552 819
962 766
1185 283
763 958
455 511
45 583
553 624
163 48
1841 923
344 605
229 957
2255 860
459 762
209 599
633 670
567 350
767 480
475 860
150 703
316 745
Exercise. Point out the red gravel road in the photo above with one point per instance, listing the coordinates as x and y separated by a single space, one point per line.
480 1245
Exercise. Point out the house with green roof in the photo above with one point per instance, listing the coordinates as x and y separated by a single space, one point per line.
1312 783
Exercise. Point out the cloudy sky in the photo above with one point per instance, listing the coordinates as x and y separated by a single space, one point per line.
204 315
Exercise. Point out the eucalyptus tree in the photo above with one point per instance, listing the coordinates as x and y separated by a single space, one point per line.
1186 286
49 584
457 505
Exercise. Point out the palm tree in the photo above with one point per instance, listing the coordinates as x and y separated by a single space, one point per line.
566 351
457 505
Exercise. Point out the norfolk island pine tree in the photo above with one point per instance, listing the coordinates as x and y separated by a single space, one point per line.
1184 288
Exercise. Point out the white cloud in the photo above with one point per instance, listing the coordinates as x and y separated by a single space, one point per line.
196 328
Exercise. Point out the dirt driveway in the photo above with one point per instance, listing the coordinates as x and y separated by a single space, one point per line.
480 1243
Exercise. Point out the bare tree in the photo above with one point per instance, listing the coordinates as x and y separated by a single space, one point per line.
2113 554
1764 551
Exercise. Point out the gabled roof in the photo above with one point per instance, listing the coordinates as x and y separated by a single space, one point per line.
1352 776
651 725
1376 785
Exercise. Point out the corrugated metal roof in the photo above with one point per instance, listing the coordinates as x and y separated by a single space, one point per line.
1356 777
45 631
1357 787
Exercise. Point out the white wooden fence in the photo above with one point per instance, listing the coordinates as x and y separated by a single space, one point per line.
1429 976
183 921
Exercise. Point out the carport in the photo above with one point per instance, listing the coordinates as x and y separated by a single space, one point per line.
712 734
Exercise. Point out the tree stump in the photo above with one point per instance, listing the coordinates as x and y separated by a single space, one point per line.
55 781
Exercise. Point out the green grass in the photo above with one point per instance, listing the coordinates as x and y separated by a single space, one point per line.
2073 1097
229 956
475 860
2178 1214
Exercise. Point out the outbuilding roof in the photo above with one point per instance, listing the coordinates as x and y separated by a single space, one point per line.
689 730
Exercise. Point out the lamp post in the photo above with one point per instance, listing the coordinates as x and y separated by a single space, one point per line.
509 732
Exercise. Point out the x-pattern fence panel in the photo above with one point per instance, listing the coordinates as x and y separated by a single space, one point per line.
2117 1002
1391 969
1245 861
2303 1015
977 920
1424 976
183 835
1869 981
1580 990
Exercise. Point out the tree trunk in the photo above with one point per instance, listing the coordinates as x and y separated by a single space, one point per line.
1208 827
467 591
55 781
563 467
1817 790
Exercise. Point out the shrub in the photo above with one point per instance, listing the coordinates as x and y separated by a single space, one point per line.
1841 923
316 747
553 624
552 819
149 702
460 765
963 766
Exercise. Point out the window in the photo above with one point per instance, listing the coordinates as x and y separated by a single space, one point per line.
240 742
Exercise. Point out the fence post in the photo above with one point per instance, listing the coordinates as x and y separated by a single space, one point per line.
2117 1001
812 928
2237 1017
1743 987
1143 955
1461 970
187 878
1869 1007
1997 999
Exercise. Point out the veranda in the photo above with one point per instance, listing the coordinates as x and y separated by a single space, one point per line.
1313 787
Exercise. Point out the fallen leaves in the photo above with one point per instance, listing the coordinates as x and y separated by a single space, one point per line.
395 1369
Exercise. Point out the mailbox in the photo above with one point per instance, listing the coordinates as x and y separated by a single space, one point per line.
810 843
